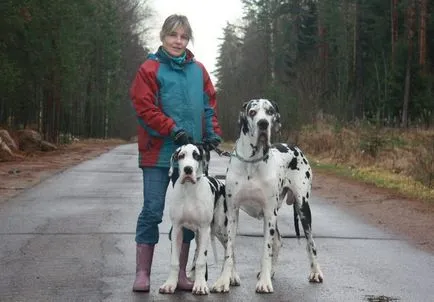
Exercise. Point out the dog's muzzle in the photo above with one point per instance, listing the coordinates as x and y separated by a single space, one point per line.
263 125
188 176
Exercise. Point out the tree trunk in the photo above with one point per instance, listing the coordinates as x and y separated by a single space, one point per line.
358 63
423 6
411 13
322 51
394 28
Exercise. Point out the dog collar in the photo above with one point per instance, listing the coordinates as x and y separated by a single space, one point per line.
252 161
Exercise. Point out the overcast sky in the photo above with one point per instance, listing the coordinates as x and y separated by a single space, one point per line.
207 19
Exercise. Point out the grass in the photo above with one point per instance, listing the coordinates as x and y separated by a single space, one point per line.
398 159
403 185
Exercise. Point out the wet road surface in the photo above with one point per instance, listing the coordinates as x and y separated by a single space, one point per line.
71 238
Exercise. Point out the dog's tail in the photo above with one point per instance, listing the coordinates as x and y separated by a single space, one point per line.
296 222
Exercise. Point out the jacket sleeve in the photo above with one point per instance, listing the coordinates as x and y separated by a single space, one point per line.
144 95
212 127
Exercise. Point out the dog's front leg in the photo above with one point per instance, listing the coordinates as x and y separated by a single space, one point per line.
223 282
200 286
170 285
264 284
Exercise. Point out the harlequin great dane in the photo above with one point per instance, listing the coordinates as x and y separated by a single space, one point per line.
197 202
260 177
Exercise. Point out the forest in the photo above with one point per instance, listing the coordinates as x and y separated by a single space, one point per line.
67 65
349 60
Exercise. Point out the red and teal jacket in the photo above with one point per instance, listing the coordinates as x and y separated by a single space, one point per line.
168 97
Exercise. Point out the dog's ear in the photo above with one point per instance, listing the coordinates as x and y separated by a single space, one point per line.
242 122
242 118
276 118
245 105
173 159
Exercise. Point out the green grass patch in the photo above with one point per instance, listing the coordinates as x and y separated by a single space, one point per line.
404 185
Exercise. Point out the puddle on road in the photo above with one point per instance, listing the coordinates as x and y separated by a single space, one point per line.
373 298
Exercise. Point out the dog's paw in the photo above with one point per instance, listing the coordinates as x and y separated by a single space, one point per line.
200 288
167 288
235 279
264 285
221 285
316 276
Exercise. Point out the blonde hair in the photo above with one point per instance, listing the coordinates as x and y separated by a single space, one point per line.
173 22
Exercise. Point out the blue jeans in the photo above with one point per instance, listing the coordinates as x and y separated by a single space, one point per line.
155 181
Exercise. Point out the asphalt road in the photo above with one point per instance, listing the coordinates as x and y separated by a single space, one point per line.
71 238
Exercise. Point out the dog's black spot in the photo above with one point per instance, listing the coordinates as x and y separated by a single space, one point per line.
206 253
305 161
271 232
248 177
269 246
281 148
293 164
269 224
229 195
307 195
213 184
307 174
306 221
314 252
296 153
226 221
225 206
275 212
254 150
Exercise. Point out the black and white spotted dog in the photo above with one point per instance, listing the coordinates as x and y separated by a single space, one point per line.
259 179
197 202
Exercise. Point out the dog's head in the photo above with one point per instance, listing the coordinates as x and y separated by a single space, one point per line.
257 118
190 159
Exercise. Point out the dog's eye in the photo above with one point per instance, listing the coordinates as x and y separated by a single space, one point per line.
271 111
197 156
252 113
181 156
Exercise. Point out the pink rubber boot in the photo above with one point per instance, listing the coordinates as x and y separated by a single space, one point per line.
144 255
183 282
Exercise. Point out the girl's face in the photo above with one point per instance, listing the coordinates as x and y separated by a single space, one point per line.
176 42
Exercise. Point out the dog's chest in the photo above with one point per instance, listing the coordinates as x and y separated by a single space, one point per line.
254 195
255 187
191 205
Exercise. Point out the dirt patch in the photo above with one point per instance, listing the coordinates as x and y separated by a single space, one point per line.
412 219
32 168
384 208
